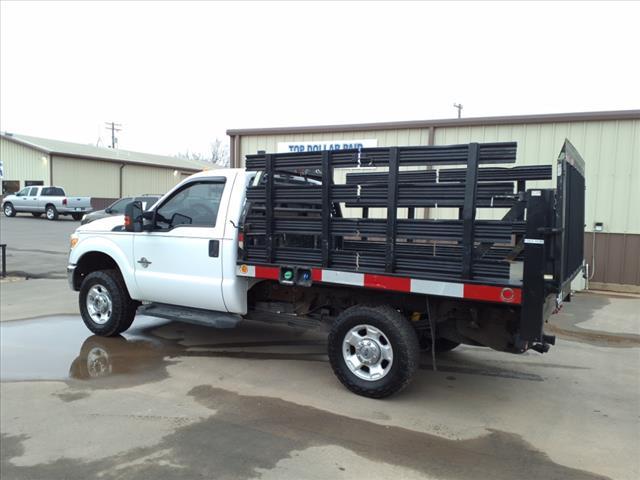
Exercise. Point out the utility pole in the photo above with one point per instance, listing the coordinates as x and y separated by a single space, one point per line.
114 127
459 107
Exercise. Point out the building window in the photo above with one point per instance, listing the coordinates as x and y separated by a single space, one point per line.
33 183
10 186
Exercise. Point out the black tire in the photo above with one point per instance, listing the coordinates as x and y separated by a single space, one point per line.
51 212
76 216
442 344
123 308
399 333
8 209
36 214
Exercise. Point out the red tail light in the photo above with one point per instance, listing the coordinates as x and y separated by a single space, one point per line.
64 201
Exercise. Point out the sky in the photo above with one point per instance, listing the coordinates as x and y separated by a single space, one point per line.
178 75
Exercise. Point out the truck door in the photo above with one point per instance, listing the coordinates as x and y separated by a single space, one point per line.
31 202
179 262
21 199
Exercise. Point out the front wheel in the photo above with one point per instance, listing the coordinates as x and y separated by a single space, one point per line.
374 351
51 212
105 304
9 211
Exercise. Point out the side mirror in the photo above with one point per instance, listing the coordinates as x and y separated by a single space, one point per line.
133 217
107 210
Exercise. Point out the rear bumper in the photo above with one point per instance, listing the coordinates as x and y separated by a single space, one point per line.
68 210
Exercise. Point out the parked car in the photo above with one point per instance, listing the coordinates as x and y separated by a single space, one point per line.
117 207
52 201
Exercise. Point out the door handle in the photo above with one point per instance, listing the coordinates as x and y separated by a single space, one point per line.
144 262
214 248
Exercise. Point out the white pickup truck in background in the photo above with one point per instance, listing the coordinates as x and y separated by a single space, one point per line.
52 201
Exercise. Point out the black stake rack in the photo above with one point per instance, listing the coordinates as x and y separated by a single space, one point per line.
294 212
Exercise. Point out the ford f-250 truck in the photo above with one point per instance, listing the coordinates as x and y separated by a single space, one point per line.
52 201
294 237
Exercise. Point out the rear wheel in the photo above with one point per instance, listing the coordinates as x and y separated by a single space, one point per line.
9 211
76 216
374 351
51 212
105 304
36 214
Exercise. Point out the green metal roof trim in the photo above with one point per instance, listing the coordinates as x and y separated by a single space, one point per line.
78 150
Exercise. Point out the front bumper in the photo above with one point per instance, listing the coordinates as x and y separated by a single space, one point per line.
70 272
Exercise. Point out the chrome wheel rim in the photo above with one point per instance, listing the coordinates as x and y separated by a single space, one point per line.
367 352
98 364
49 213
7 210
99 304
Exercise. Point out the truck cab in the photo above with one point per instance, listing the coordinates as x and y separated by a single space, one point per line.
185 256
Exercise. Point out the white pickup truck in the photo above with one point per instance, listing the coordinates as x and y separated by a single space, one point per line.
52 201
275 245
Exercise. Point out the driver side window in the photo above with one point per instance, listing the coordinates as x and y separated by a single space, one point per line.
196 205
23 193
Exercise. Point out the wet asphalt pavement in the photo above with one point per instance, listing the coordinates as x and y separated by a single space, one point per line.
171 400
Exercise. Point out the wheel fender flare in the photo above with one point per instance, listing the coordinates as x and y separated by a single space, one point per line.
111 249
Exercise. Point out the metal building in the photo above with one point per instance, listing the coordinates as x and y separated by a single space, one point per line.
608 141
104 174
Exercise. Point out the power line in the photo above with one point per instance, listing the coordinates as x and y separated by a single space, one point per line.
114 127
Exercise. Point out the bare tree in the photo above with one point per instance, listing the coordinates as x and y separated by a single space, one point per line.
218 154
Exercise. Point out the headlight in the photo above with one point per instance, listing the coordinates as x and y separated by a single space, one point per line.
73 240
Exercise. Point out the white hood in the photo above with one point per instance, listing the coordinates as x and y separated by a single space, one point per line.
106 224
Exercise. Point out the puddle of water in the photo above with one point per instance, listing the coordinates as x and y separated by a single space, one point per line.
61 348
46 349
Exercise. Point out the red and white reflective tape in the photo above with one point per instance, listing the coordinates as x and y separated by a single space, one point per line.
470 291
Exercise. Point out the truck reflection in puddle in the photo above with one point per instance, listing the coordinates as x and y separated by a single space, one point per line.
143 360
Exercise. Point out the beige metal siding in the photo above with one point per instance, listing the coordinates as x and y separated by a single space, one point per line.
386 138
87 177
141 180
23 163
611 150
